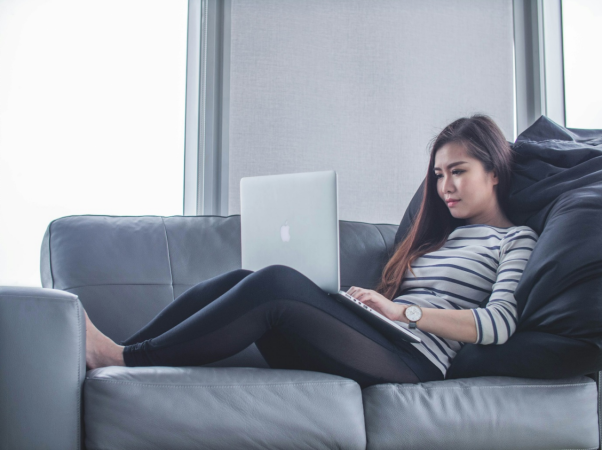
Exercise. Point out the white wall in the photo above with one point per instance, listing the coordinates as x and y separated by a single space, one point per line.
91 117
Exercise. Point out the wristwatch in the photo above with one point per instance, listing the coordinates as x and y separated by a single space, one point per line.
413 314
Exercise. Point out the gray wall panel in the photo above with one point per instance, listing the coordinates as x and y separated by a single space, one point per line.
361 88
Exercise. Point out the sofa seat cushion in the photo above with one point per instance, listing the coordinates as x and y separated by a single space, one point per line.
220 408
483 412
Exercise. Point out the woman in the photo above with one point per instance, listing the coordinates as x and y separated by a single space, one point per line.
461 251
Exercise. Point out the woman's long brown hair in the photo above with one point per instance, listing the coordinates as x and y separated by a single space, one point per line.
483 140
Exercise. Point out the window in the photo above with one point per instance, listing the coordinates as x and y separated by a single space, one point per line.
92 104
581 22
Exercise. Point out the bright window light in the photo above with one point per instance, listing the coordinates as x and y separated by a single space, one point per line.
582 42
92 102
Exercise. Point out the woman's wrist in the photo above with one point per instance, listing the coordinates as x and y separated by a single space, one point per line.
401 317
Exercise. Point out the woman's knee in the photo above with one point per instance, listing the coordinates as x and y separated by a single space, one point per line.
241 272
278 272
233 277
278 276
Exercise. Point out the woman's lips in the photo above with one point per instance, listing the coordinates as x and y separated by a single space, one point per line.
450 204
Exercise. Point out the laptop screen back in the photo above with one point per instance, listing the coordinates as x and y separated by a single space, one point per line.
293 220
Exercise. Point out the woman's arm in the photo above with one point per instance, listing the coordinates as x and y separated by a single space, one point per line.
499 319
458 325
493 324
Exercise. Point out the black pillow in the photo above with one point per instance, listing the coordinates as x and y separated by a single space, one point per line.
557 191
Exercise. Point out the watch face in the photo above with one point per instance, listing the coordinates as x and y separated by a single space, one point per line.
413 313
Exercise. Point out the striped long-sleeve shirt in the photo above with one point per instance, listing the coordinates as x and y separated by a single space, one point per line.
477 262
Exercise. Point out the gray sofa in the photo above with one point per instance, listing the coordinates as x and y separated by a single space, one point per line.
124 270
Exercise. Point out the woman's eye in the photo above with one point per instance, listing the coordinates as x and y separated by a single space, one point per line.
453 172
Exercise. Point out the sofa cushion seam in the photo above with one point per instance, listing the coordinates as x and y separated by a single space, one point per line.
168 259
599 386
50 252
584 384
384 242
339 383
118 284
34 297
79 385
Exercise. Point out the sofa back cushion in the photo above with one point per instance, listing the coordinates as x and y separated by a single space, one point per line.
126 269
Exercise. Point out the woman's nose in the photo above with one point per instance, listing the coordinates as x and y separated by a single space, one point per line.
448 185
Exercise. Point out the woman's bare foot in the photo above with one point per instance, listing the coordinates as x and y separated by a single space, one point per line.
100 350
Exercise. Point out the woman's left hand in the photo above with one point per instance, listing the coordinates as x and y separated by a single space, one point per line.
378 302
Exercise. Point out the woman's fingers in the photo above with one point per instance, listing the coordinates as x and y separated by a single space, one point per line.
360 294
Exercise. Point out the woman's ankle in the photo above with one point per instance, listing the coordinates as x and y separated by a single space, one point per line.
118 356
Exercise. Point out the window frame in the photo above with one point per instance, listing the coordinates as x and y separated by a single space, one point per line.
539 65
207 108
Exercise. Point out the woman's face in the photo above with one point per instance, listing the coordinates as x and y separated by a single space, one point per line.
467 182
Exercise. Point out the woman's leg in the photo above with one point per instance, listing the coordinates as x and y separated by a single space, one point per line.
280 308
188 303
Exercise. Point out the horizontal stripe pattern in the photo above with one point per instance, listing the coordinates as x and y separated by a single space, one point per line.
477 263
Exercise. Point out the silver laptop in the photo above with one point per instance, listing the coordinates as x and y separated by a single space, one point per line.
293 220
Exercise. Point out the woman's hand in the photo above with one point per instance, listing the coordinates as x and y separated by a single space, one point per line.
379 303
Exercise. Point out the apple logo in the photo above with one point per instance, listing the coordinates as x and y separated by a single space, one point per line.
284 233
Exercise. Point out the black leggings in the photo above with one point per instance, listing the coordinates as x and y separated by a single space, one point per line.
294 323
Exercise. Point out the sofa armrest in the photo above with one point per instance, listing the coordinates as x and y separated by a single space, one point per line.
42 368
